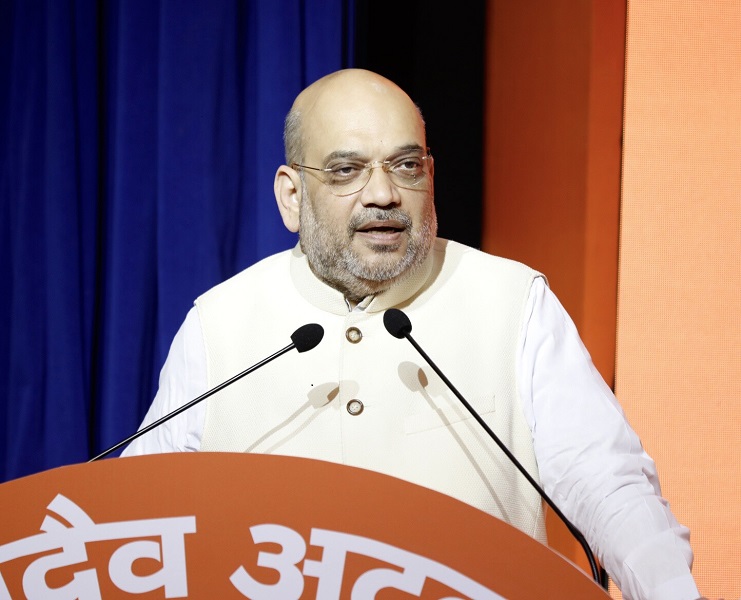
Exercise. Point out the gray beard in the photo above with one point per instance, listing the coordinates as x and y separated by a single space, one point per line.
335 263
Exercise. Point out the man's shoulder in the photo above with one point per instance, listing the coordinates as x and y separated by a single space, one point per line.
265 272
467 257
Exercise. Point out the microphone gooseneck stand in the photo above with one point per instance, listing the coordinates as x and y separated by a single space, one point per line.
397 323
304 338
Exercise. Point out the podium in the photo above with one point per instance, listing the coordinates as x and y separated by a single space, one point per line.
221 526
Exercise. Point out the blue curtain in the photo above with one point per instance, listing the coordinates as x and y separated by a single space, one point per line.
139 142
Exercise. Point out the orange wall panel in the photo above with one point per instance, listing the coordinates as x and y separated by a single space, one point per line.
679 331
554 94
558 190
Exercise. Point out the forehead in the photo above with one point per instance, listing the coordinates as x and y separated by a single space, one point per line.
372 121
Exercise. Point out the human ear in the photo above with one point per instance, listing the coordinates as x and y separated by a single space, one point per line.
287 188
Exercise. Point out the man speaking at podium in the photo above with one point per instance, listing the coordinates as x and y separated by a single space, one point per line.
358 188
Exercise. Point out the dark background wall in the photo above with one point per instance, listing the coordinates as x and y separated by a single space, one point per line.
436 53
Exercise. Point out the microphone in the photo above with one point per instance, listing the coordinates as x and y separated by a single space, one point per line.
397 323
303 339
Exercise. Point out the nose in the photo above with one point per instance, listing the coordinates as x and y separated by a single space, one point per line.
380 190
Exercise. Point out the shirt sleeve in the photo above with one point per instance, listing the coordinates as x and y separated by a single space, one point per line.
182 379
591 462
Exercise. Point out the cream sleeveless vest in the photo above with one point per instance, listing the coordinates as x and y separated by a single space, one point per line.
367 399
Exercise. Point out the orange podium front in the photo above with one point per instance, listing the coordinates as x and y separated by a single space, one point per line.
217 526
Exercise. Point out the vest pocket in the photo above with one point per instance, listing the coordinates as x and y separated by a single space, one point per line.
442 417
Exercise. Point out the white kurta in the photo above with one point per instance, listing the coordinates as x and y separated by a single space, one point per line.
514 354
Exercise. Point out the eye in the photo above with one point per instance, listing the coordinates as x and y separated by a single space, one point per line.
408 166
343 172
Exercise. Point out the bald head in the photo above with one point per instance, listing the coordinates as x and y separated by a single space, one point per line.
351 100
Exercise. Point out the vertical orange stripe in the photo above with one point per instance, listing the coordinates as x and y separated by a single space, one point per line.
553 114
554 95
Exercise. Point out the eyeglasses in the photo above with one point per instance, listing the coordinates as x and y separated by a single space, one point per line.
345 177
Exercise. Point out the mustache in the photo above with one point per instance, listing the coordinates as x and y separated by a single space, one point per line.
379 214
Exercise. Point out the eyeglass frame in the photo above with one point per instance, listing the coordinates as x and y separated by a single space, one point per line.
369 166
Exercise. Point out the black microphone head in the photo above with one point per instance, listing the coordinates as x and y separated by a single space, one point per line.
397 323
307 336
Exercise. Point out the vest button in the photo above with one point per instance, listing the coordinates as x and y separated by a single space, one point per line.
354 335
355 407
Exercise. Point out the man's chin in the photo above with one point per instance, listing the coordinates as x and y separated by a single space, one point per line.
380 267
